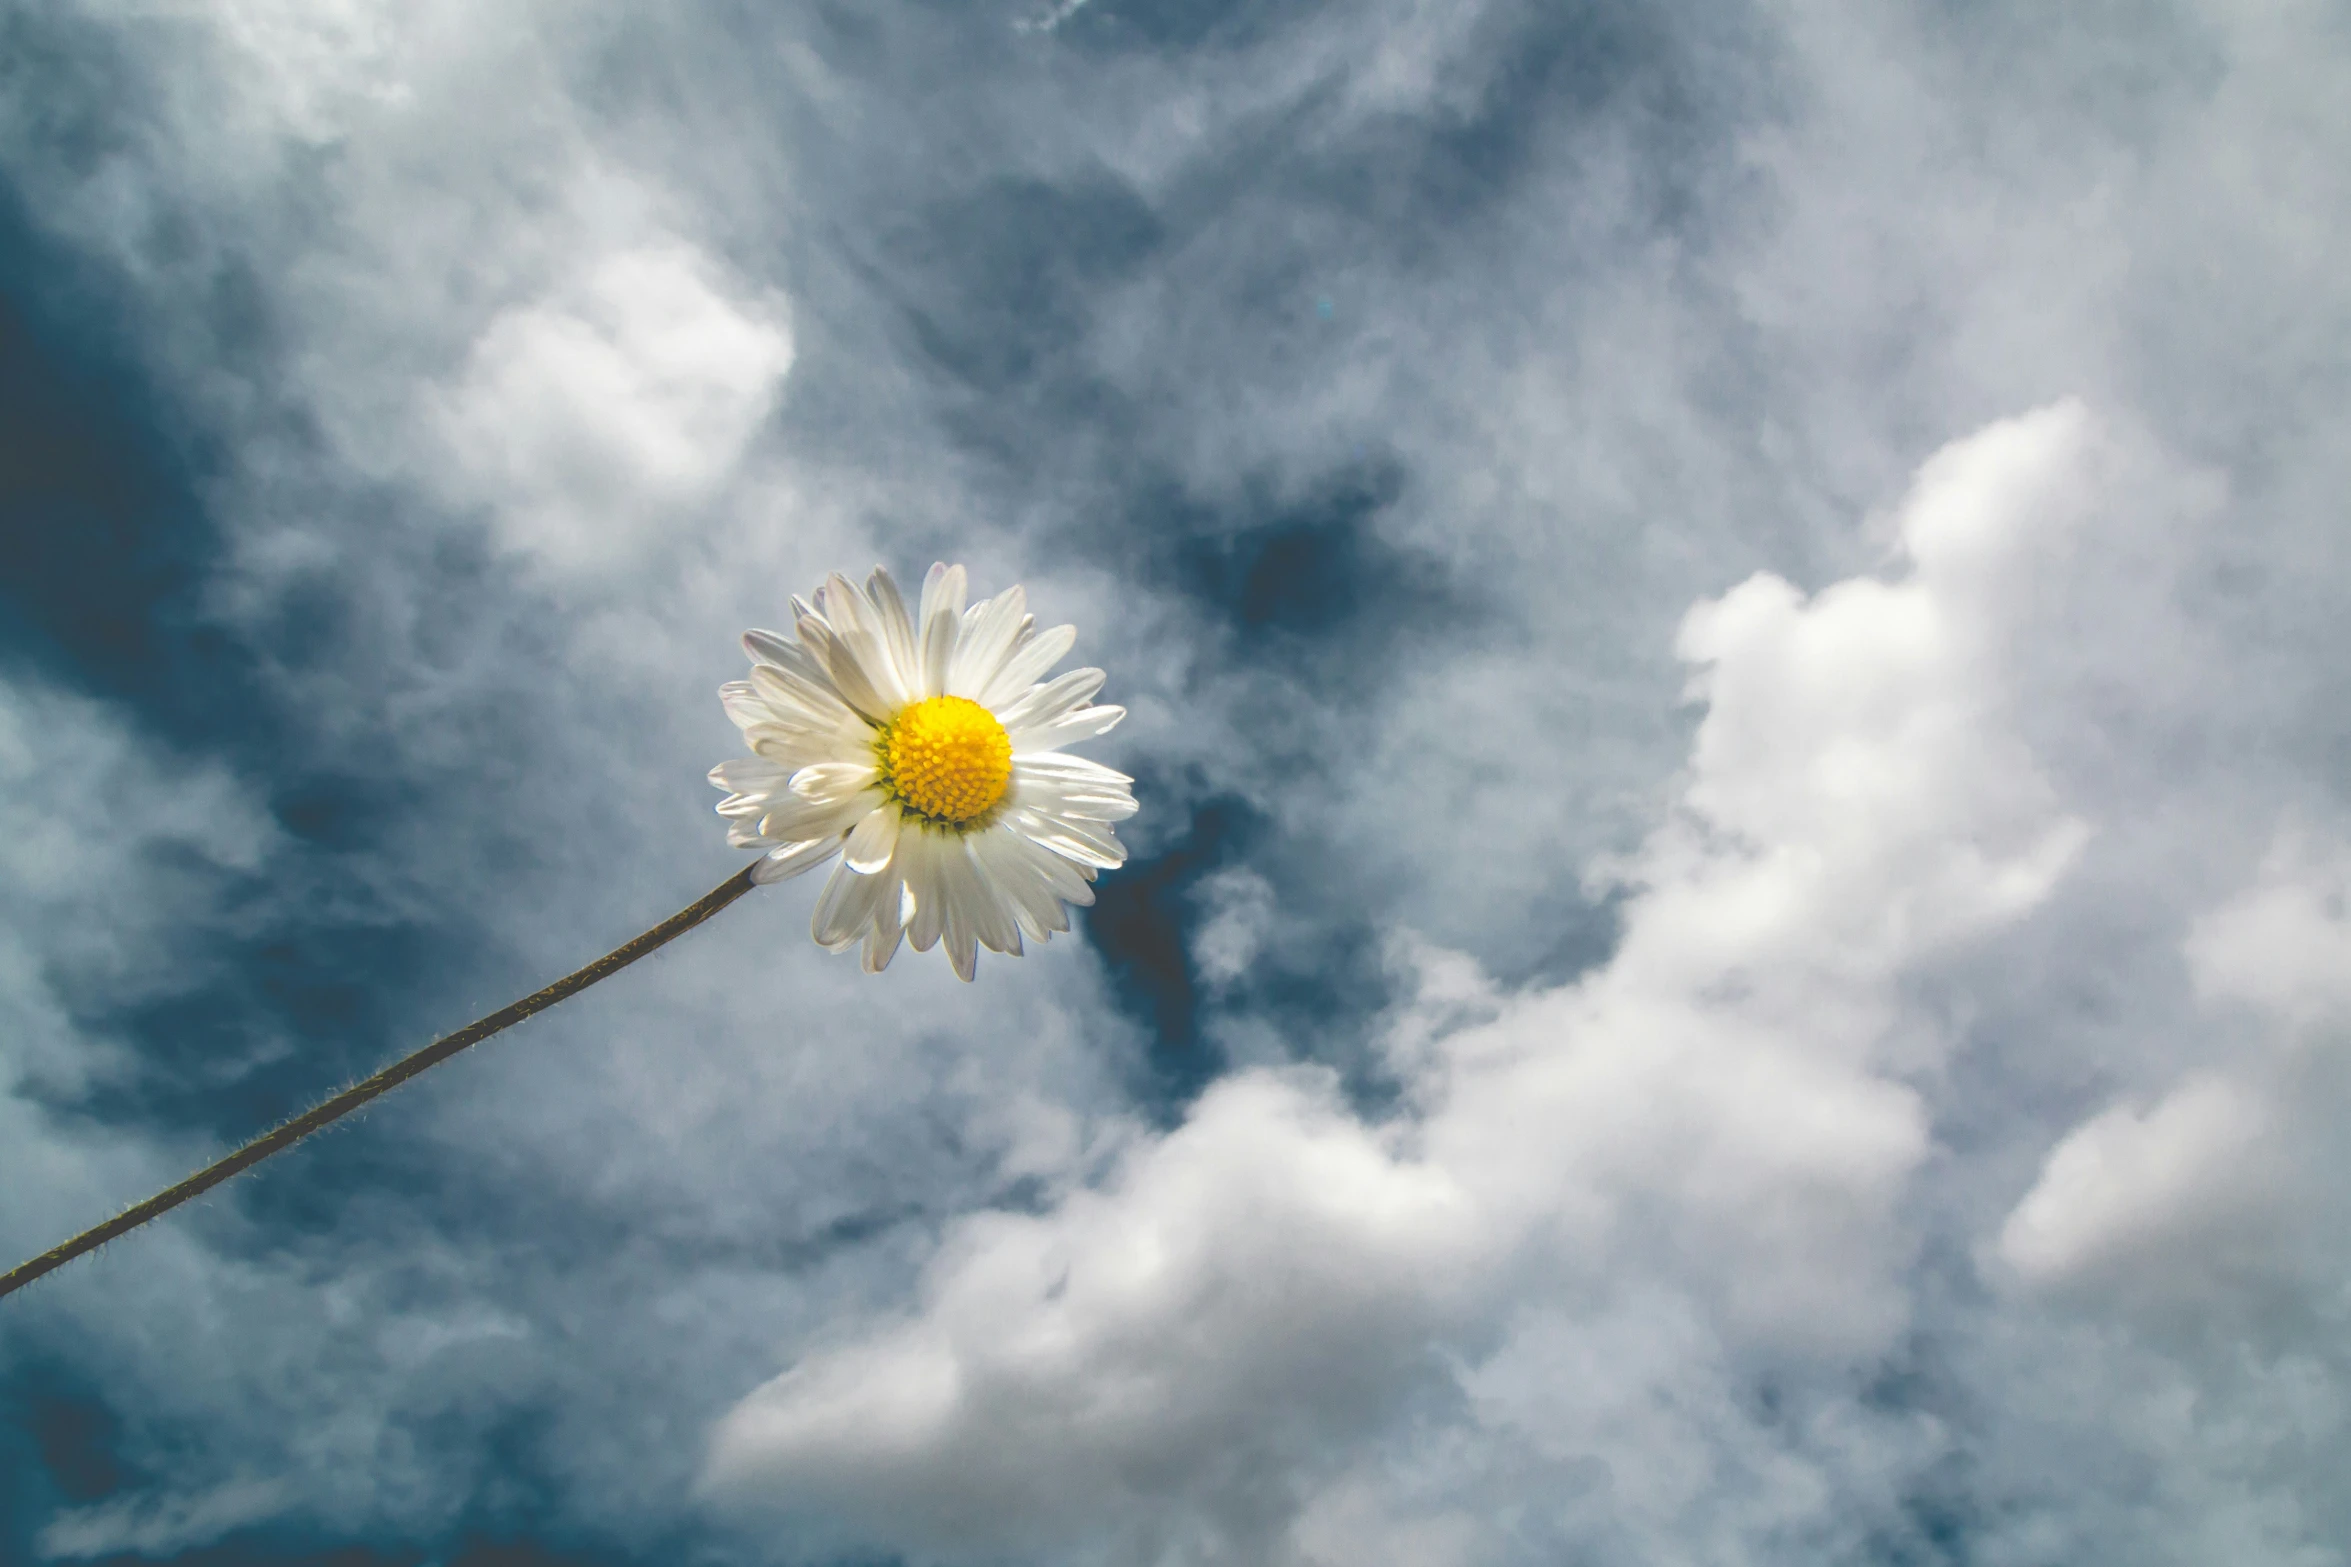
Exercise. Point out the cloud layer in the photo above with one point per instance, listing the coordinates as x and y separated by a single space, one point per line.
1709 1124
1732 622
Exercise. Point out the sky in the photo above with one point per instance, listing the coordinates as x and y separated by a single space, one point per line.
1738 948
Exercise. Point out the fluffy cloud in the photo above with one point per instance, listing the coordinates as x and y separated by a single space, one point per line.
2171 1281
2219 1194
586 420
1698 1150
1865 1161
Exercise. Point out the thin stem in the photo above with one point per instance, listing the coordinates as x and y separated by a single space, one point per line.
390 1077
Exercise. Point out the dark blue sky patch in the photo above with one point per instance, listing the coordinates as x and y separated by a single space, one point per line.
104 556
1171 26
1941 1508
1304 594
273 1549
1321 986
102 544
289 1547
1317 985
1306 589
514 1516
72 1434
1939 1522
334 987
285 1549
58 1448
526 1553
996 283
1313 568
1140 923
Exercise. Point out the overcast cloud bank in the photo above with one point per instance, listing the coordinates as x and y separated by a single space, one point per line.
1732 617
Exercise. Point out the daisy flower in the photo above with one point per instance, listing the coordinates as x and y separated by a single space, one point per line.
925 751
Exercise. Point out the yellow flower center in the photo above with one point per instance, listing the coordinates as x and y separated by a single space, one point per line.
946 757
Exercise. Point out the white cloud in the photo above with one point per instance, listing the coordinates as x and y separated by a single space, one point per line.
586 421
2283 946
1697 1146
1245 1287
1241 915
2173 1280
2225 1190
159 1526
2165 1184
1632 313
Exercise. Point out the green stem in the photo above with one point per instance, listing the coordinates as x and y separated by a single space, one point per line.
389 1078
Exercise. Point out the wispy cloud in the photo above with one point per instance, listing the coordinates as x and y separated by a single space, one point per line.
1835 1072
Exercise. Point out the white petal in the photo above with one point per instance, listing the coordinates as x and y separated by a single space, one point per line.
987 641
885 925
793 858
1097 835
790 819
1088 843
845 908
1066 881
845 669
1052 783
881 940
841 671
768 647
770 651
1041 704
843 604
743 703
824 783
992 917
1026 665
795 748
1022 886
865 636
942 619
966 900
872 841
1062 768
749 775
793 697
917 864
1084 802
897 627
1068 729
848 741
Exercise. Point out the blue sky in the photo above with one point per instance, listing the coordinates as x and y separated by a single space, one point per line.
1735 946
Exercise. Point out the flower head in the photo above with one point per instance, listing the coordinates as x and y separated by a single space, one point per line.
926 752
